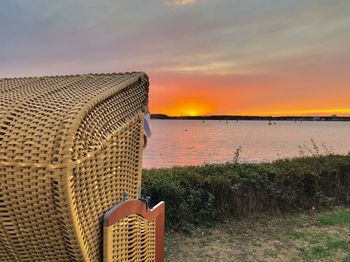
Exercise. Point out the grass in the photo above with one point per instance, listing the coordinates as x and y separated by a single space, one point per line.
339 218
311 236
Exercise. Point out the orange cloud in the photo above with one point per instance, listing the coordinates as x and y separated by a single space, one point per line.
290 94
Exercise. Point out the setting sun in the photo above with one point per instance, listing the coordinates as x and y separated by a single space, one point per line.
192 112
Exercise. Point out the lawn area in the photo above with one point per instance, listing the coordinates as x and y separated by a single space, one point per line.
308 236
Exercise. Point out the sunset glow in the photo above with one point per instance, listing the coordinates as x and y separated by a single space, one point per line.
203 57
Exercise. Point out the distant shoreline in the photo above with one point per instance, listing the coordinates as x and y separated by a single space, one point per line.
264 118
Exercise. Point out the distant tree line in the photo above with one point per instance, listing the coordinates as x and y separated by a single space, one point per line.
265 118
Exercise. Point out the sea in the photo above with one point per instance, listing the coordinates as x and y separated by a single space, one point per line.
197 142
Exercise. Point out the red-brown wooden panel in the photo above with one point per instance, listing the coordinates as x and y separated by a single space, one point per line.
131 207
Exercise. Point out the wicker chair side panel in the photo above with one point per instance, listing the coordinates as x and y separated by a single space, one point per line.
109 117
29 217
39 118
99 183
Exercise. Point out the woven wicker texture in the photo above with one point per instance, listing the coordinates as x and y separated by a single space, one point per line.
132 239
134 232
70 147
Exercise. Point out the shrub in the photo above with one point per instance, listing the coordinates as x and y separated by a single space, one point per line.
213 192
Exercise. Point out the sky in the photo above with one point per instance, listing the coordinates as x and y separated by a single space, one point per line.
203 57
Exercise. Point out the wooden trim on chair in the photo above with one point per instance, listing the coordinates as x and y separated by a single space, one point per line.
138 207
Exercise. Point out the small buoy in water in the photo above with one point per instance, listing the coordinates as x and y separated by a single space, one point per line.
274 123
185 130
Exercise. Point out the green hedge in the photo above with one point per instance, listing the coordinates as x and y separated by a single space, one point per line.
213 192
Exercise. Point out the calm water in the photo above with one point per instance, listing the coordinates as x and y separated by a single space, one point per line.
187 142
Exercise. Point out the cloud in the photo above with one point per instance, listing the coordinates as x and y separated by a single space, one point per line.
269 54
180 2
217 68
216 37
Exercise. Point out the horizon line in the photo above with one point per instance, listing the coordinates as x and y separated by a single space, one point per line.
228 115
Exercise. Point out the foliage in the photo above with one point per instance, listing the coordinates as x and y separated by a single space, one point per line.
213 192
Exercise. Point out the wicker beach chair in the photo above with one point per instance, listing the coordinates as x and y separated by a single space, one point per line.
70 148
